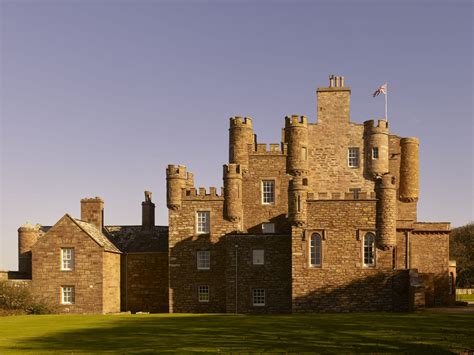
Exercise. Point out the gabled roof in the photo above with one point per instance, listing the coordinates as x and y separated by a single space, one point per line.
95 234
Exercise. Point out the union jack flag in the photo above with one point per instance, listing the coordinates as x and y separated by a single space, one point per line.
381 90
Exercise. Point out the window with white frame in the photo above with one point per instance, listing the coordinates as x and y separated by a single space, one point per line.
203 260
68 295
353 157
375 153
203 293
268 228
268 192
304 153
258 297
258 256
315 250
203 219
67 258
369 249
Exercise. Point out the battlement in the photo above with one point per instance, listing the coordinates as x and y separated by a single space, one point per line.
232 169
296 121
176 171
371 124
264 149
92 199
202 194
338 196
387 181
241 121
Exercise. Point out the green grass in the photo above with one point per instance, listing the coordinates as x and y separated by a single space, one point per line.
426 332
465 298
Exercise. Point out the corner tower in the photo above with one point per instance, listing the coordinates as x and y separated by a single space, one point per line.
176 181
240 137
296 137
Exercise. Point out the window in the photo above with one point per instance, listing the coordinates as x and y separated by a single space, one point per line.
203 222
268 192
268 228
67 258
258 257
67 295
203 293
375 153
315 250
304 153
203 260
353 157
258 297
355 193
369 249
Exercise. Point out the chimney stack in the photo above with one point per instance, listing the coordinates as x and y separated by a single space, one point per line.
148 213
92 211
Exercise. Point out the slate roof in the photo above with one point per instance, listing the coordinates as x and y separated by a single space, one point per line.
97 235
132 239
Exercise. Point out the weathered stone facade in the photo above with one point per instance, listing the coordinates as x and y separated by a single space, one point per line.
325 221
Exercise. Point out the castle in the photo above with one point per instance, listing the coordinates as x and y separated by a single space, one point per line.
326 221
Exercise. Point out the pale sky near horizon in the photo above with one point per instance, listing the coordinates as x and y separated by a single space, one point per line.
97 97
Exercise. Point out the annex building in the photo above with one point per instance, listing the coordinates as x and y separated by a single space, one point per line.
325 221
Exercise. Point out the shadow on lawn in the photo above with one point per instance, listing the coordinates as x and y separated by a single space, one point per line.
427 332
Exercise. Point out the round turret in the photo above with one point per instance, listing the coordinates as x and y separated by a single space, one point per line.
297 201
376 148
240 137
27 237
409 170
233 192
386 215
176 179
296 137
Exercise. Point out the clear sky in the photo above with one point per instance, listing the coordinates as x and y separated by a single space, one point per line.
97 97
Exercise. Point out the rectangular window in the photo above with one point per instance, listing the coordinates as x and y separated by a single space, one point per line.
203 293
353 157
268 192
203 219
258 256
268 228
369 249
375 153
315 250
67 295
67 258
258 297
203 260
304 153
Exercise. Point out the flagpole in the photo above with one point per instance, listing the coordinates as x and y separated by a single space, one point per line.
386 94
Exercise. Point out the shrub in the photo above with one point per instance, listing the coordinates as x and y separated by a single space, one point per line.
17 299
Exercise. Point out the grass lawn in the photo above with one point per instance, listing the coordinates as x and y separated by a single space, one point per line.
465 298
426 332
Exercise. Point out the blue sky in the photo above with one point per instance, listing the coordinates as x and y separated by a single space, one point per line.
97 97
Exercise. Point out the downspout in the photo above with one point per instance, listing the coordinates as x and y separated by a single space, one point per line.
236 280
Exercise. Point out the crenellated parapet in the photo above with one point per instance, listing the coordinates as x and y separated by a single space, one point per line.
233 178
271 149
409 179
298 191
376 142
386 215
176 181
240 137
296 138
202 193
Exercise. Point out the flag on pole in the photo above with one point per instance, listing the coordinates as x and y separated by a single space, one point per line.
381 90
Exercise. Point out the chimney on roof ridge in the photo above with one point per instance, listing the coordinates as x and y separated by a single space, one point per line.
92 211
148 212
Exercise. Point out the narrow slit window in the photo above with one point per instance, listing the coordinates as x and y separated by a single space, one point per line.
375 153
315 250
369 249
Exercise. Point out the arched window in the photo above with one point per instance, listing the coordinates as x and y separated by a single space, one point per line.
315 250
369 249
